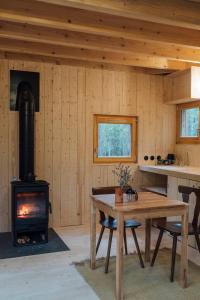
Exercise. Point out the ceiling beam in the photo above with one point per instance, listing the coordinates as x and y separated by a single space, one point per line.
61 17
79 63
73 39
89 55
182 13
32 33
52 30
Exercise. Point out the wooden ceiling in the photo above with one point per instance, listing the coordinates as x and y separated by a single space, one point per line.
140 33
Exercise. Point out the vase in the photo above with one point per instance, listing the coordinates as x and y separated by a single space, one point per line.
131 194
118 195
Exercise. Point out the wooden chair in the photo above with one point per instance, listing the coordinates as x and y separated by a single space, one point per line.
174 228
111 224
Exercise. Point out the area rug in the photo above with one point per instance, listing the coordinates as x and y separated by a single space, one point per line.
150 283
7 250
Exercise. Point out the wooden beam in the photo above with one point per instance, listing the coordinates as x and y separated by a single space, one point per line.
182 13
88 55
76 62
61 17
61 37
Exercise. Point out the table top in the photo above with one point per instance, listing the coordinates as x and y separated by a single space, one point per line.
146 201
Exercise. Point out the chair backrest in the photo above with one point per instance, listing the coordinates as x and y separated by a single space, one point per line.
186 192
102 191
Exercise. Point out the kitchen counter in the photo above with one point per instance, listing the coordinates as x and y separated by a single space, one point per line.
186 172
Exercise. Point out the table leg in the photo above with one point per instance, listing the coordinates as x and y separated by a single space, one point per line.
119 257
147 239
184 257
93 236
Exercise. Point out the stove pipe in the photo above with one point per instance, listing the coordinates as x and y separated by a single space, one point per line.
26 104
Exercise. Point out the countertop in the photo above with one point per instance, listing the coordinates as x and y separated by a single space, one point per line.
186 172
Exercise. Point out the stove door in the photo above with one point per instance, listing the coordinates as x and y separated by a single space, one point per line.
30 205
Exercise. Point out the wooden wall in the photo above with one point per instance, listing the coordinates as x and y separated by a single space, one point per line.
187 153
70 95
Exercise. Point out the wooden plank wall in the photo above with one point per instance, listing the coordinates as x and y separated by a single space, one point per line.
188 154
69 96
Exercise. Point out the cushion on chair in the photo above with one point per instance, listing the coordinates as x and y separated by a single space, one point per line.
113 224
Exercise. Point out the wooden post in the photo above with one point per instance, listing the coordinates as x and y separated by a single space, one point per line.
184 257
119 256
93 236
147 239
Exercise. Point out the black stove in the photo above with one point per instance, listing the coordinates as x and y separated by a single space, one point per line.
30 197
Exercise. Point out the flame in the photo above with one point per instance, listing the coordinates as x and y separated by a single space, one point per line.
23 211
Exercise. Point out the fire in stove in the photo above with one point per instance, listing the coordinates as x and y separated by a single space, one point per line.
28 210
24 211
30 205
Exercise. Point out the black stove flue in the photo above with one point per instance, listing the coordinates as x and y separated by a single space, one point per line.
30 197
26 106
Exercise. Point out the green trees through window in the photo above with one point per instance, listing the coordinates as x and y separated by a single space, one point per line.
190 122
114 140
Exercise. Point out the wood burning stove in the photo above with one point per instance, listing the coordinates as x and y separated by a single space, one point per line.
30 197
30 212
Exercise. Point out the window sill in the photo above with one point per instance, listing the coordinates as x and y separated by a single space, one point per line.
188 141
114 163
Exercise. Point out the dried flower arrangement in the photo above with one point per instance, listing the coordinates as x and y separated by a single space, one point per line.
125 176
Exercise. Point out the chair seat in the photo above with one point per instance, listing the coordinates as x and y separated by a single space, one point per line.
174 227
112 224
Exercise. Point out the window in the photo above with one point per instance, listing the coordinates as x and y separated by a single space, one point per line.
188 122
115 139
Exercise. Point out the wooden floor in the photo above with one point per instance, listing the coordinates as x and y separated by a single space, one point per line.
53 276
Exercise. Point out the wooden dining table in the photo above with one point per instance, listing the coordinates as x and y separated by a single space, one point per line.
147 207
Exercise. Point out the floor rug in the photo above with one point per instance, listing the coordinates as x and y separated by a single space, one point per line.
150 283
7 250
